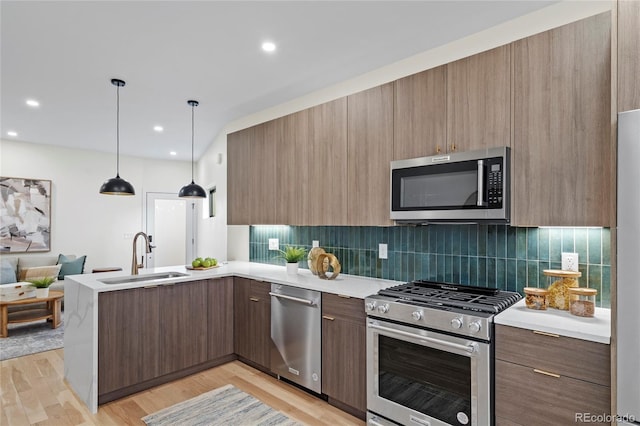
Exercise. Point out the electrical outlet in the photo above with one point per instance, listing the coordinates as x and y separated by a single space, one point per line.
569 261
382 251
315 243
274 244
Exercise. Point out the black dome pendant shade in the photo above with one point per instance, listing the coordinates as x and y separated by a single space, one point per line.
117 185
192 190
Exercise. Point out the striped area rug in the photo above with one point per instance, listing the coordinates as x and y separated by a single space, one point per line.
227 405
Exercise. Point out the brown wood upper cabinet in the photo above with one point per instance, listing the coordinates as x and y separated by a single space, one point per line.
327 164
292 183
420 114
370 151
562 120
262 173
479 101
238 177
628 58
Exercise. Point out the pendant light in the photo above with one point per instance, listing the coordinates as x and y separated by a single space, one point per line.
117 185
192 190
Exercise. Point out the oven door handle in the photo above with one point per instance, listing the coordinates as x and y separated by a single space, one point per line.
470 348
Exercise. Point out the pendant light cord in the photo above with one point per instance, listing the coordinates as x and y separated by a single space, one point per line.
118 131
192 127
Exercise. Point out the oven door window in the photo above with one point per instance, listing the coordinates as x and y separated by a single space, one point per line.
430 381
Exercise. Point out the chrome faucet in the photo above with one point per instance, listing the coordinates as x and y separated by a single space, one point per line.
134 261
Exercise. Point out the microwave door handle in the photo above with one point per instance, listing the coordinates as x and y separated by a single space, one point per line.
480 202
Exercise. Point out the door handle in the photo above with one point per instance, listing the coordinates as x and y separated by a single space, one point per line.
293 299
254 299
470 348
480 202
327 317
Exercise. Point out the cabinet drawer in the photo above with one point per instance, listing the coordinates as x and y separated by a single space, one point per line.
566 356
346 308
260 290
529 398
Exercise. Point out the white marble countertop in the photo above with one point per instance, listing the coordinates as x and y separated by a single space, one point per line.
347 285
596 329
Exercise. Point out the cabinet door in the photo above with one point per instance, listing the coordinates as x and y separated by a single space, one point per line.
370 151
291 171
238 177
252 321
420 114
220 314
327 164
628 58
344 350
128 338
479 101
528 397
262 172
183 325
561 168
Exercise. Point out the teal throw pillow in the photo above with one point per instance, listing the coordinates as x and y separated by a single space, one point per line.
7 273
69 266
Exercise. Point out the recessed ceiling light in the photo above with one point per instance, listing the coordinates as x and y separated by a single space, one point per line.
173 153
12 133
33 103
268 46
158 128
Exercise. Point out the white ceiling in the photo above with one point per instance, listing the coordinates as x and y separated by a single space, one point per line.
64 54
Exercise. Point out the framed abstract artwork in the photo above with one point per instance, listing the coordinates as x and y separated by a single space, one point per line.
25 215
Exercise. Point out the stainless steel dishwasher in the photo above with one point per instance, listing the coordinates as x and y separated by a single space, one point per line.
297 335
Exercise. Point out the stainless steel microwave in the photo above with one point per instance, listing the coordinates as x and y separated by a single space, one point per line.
468 186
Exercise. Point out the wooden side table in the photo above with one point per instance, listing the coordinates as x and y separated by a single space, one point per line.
52 311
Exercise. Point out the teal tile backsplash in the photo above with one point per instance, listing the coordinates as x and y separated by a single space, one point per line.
499 256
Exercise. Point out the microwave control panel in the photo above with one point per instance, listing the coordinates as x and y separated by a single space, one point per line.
495 183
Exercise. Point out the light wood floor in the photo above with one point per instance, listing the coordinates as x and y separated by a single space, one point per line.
33 392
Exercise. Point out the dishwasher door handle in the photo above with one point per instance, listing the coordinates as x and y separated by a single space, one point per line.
293 299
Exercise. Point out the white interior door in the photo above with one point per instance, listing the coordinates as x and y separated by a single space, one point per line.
171 228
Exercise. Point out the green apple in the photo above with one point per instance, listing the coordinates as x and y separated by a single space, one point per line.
214 262
206 263
197 263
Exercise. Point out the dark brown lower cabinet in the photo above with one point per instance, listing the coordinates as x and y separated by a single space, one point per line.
344 353
148 336
252 321
220 304
128 338
183 326
546 379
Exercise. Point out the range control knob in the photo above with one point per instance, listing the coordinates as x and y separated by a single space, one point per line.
475 326
383 309
371 306
456 323
416 315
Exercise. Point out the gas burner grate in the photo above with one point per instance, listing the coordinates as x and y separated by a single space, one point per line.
479 299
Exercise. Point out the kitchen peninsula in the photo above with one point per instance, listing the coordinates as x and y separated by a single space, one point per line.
107 309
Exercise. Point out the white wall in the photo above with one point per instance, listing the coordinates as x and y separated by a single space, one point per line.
550 17
84 221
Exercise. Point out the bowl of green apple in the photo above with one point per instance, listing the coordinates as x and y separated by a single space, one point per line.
200 263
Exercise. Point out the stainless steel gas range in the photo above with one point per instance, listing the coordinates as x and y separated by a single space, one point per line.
430 354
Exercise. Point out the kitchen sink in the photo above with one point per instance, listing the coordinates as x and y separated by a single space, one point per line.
141 278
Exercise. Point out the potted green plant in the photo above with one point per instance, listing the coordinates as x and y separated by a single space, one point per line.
42 285
292 255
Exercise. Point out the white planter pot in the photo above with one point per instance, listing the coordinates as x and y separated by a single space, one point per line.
42 292
292 268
